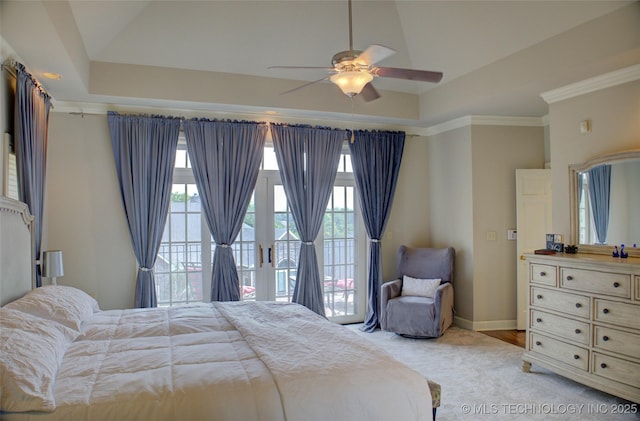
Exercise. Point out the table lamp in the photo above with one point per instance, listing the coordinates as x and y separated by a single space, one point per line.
52 266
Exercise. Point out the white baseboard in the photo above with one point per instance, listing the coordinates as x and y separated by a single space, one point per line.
485 325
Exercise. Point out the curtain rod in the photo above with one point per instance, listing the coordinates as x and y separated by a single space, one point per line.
11 66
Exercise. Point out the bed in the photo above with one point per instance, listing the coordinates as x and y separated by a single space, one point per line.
64 359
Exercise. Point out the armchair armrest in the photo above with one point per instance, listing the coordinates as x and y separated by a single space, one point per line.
444 307
388 290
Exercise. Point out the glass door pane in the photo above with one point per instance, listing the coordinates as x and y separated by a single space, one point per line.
285 247
244 252
179 267
340 267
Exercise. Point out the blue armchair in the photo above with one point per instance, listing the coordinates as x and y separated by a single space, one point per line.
417 314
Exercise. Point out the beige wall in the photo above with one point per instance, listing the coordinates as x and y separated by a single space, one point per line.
497 151
451 208
409 218
84 211
472 192
615 117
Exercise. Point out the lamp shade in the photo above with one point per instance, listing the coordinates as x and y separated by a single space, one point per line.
351 82
52 265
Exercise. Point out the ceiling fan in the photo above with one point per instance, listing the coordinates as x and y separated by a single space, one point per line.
353 70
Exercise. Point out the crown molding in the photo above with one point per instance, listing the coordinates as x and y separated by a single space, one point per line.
484 120
607 80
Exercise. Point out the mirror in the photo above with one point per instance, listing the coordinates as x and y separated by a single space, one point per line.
596 227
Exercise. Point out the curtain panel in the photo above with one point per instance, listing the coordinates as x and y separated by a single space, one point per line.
226 157
308 159
376 158
144 149
32 105
599 195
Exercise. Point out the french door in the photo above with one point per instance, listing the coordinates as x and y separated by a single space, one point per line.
341 255
267 247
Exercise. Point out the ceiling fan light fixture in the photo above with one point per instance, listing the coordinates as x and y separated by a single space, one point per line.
351 82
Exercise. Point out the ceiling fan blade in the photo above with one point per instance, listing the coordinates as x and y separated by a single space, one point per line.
302 67
304 86
369 93
373 54
410 74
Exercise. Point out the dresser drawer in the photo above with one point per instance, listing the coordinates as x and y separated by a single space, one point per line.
560 351
617 369
578 305
543 274
617 341
615 284
561 326
613 312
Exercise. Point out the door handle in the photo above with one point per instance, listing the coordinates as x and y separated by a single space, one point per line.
270 255
260 259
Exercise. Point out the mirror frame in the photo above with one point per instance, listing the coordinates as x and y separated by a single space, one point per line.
574 169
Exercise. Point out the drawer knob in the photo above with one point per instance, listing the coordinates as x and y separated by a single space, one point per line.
605 338
539 320
538 343
578 331
539 296
605 311
543 273
578 305
616 284
576 356
603 365
569 278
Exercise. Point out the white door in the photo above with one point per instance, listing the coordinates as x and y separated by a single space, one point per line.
533 210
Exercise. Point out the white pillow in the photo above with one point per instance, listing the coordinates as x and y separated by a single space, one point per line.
66 305
420 287
31 351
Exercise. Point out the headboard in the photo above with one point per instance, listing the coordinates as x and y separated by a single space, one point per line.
17 269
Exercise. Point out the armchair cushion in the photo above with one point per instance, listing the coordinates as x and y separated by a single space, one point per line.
420 287
406 315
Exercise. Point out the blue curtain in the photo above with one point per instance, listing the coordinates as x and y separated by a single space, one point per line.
226 157
144 149
580 186
32 105
308 160
376 158
599 193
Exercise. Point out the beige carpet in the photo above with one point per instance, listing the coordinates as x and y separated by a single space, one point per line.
481 378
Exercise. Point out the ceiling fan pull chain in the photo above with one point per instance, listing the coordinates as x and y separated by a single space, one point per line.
352 112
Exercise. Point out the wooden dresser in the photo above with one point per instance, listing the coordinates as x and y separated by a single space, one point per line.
583 320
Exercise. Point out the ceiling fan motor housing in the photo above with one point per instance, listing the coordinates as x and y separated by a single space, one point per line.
345 60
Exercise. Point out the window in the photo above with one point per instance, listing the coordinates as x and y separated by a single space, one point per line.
267 247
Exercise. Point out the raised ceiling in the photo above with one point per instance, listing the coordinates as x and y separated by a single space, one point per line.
497 56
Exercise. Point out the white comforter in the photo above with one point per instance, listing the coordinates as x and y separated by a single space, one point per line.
230 361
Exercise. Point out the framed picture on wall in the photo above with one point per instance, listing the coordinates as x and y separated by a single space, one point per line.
8 168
